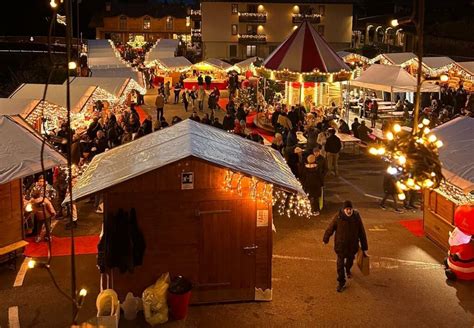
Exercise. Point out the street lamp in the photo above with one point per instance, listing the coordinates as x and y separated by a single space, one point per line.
419 23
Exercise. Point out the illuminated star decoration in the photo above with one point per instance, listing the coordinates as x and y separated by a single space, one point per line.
413 158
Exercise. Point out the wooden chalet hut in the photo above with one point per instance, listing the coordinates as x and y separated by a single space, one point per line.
203 200
457 159
20 152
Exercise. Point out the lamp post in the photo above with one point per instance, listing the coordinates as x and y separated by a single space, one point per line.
419 24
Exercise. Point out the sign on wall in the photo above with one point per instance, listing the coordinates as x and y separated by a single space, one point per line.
187 180
262 218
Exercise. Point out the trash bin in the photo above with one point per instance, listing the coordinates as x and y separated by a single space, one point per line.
179 294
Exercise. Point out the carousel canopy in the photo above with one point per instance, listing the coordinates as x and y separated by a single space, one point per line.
394 58
390 78
56 94
456 154
20 151
182 140
305 51
213 63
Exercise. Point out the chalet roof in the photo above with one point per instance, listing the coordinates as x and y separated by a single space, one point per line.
20 150
182 140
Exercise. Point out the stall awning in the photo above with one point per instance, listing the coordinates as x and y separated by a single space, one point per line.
113 85
390 78
213 63
395 58
163 48
456 155
174 63
187 138
468 67
124 72
20 151
435 63
101 54
56 94
346 54
20 107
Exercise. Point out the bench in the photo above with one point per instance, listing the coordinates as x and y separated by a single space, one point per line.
9 252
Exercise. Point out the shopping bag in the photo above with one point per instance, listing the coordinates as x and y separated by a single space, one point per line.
108 306
363 262
155 306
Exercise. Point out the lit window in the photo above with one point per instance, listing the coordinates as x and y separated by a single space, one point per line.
235 9
169 23
146 23
123 22
188 21
234 29
251 51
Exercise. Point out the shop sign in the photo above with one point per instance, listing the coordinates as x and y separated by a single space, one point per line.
187 180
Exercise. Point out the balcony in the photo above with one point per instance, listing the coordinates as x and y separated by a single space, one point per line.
252 17
252 39
196 35
312 18
195 15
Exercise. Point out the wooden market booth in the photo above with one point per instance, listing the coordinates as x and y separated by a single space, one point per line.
20 151
457 159
462 72
171 68
217 69
203 200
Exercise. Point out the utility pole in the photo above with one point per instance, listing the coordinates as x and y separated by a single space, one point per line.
419 24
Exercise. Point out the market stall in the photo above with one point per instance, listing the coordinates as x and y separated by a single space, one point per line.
215 68
102 55
185 199
311 70
20 151
124 72
163 48
458 188
170 67
462 72
354 61
394 58
245 66
83 98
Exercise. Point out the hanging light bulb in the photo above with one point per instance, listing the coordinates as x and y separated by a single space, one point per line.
426 130
391 170
381 151
425 121
439 144
428 183
432 138
410 182
53 4
373 151
402 160
401 196
397 128
389 135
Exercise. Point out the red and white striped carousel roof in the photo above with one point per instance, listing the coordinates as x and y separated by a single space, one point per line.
305 51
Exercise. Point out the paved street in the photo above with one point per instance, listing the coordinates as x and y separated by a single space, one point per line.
406 287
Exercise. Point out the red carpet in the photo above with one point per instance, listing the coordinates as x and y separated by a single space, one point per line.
223 103
414 226
141 113
61 246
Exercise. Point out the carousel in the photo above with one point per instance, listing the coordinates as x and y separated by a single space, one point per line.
311 71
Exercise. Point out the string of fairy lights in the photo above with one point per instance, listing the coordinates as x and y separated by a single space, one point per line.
412 158
286 203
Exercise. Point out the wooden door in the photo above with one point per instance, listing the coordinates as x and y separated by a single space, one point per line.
227 251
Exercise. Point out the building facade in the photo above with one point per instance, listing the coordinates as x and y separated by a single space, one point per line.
122 22
239 29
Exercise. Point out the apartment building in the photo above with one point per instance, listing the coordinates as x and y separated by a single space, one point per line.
242 29
121 21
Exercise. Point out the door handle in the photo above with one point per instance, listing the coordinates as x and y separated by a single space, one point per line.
251 248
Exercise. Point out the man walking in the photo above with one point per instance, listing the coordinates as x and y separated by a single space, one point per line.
160 104
349 229
333 147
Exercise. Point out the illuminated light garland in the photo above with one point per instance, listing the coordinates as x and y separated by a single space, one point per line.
454 193
413 159
286 205
253 15
257 37
314 76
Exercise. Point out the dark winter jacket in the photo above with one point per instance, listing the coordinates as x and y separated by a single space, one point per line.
333 144
228 123
389 184
349 231
312 180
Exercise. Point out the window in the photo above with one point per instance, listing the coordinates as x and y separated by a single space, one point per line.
188 21
235 9
321 30
322 10
252 29
169 23
123 22
251 51
252 8
232 51
146 23
235 29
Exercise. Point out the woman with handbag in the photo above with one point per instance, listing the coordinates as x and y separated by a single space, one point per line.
43 211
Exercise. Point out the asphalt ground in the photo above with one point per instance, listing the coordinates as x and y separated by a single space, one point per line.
406 287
